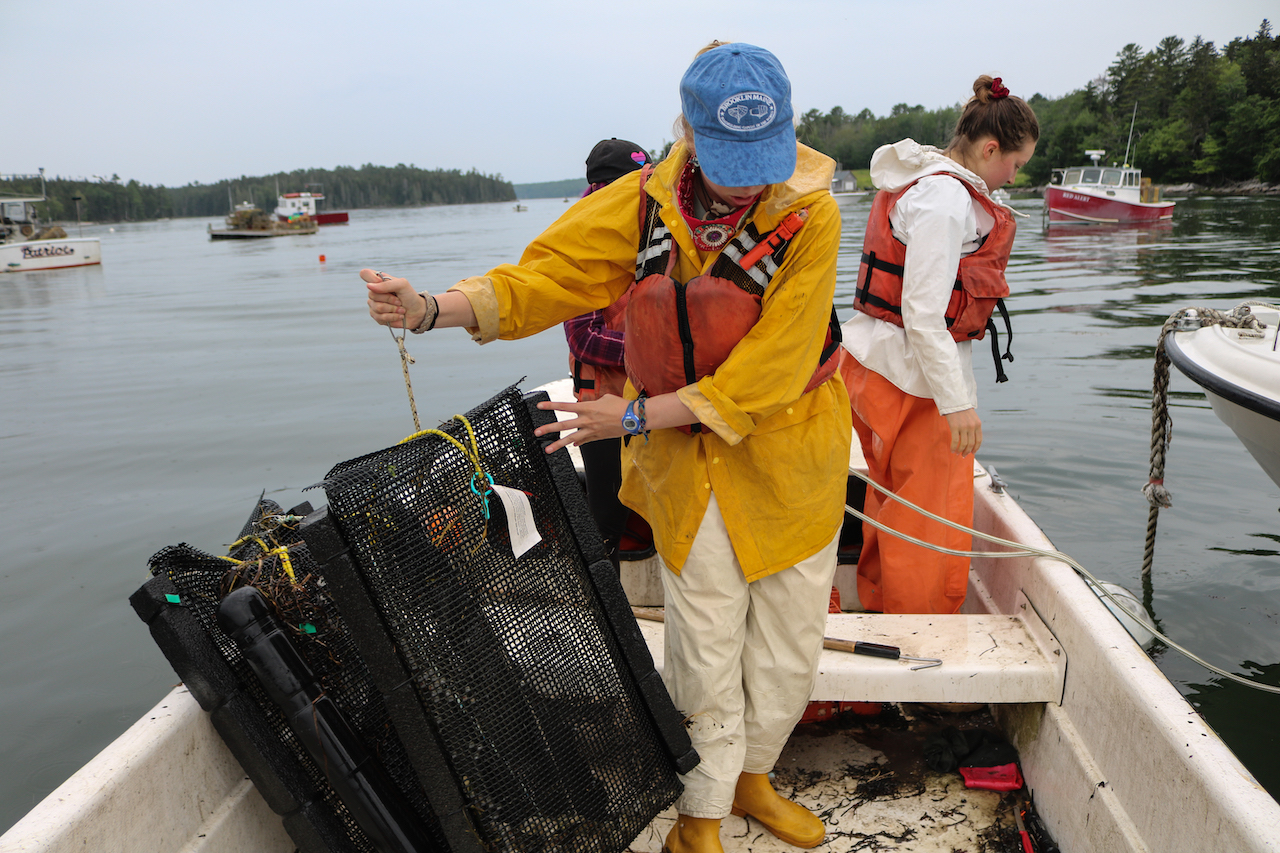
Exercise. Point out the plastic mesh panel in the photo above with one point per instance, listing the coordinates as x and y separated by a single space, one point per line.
512 659
319 634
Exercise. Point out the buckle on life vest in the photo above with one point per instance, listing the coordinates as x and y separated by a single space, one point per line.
785 231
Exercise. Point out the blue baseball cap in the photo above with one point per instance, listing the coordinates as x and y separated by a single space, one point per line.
737 99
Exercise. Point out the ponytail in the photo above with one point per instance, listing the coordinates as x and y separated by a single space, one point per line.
993 112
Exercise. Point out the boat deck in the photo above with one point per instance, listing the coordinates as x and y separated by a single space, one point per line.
866 778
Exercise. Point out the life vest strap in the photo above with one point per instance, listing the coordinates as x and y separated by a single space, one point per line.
579 383
836 337
862 292
872 262
995 341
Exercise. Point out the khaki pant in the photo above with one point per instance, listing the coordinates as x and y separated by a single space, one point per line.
740 659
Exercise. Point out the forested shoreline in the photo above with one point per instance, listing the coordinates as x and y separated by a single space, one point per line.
113 200
1200 115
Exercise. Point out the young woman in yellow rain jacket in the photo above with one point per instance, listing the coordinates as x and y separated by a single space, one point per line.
741 472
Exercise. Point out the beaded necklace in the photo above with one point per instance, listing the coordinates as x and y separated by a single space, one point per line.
713 234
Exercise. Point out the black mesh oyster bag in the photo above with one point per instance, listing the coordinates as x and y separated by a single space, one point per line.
314 786
477 588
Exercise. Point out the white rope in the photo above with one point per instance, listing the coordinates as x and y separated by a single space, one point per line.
1024 550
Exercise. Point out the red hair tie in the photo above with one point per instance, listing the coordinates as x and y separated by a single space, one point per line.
998 91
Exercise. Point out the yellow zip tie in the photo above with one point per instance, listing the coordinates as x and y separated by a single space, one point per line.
283 553
250 538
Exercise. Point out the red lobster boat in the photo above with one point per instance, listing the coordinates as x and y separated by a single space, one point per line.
1099 193
295 204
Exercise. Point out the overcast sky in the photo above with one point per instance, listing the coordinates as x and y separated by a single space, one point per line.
175 92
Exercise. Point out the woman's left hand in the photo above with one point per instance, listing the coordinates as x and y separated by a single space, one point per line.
966 431
595 419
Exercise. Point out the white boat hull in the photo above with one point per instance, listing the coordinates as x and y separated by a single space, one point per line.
167 784
1240 374
1120 763
50 254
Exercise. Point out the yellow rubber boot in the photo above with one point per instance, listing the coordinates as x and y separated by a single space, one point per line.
694 835
791 822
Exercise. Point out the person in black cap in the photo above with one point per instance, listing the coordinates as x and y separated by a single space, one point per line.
609 160
596 364
736 424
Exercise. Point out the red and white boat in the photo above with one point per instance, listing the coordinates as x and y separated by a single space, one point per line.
1100 193
292 205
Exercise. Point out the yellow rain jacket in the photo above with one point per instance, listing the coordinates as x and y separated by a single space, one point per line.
776 460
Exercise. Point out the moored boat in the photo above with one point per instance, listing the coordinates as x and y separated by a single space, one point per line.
1097 193
292 205
1116 758
26 244
1239 370
247 221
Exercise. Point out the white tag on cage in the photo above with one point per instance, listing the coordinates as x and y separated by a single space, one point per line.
524 533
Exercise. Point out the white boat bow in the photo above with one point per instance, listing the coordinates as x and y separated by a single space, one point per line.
1239 370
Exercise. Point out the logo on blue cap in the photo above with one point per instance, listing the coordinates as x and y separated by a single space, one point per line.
747 111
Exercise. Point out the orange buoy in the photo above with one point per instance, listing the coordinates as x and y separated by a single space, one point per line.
322 259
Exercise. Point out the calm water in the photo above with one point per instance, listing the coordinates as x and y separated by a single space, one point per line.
150 400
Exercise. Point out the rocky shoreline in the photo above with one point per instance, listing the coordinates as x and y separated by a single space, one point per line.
1253 187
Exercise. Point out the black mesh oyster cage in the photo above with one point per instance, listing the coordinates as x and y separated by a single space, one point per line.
393 676
524 690
323 799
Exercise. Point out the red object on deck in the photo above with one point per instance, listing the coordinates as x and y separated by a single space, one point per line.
1004 777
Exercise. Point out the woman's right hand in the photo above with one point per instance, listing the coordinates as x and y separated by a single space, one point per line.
393 301
966 431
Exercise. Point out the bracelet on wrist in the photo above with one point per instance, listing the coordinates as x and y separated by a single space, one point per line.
429 319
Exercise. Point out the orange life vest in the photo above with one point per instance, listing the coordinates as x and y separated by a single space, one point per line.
980 285
678 333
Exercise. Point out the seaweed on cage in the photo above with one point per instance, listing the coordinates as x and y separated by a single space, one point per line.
297 594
